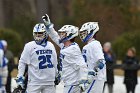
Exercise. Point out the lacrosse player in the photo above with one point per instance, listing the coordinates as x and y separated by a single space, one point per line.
41 58
94 57
3 69
74 68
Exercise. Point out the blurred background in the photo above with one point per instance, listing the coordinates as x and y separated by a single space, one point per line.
119 22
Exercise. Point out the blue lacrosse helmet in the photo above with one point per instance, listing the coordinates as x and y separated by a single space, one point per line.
39 33
67 32
88 30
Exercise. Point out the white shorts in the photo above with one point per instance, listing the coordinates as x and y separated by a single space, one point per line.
41 89
96 86
72 89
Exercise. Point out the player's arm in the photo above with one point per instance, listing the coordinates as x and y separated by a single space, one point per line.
81 66
83 72
55 37
4 74
77 61
20 77
100 63
24 60
88 52
55 61
1 57
51 31
3 68
83 81
57 70
74 57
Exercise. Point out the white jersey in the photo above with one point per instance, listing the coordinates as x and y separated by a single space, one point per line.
74 67
1 57
3 68
41 61
92 52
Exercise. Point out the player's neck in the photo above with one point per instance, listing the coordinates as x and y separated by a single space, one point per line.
90 40
67 43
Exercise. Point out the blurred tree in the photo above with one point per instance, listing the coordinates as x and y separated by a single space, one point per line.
58 10
42 6
28 13
32 5
113 16
125 41
14 40
135 10
1 14
20 17
24 27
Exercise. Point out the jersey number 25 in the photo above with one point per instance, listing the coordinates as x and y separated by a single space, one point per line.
43 59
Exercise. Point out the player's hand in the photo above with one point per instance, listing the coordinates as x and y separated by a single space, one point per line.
84 85
99 66
47 21
58 78
91 76
20 81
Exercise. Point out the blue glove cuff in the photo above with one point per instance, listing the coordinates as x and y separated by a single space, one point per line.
20 79
101 63
83 81
91 73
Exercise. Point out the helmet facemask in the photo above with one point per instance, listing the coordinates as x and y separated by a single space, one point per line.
38 36
39 33
62 35
83 34
88 30
67 32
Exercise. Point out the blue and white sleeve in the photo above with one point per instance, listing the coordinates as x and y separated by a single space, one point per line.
55 37
24 60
